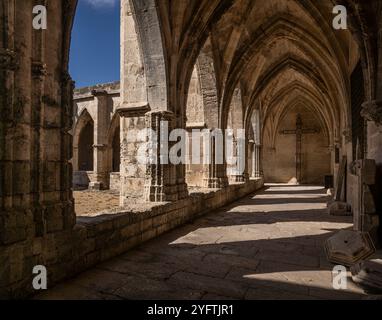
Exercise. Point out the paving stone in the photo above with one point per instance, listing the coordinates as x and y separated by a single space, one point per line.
214 285
246 250
100 280
215 297
141 288
297 259
265 293
69 291
154 270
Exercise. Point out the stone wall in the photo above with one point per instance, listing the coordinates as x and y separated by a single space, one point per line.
115 181
281 159
99 105
96 239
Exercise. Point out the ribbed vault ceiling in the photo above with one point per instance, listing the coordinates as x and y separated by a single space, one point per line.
268 48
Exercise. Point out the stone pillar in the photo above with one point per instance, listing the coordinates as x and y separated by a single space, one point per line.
36 112
132 173
145 166
251 148
35 146
215 171
236 172
101 123
257 171
164 181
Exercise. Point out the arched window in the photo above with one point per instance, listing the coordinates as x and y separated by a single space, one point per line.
85 147
116 145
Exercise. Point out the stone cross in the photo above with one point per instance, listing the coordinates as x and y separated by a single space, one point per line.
299 132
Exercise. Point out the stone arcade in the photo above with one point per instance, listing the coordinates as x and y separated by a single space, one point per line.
208 64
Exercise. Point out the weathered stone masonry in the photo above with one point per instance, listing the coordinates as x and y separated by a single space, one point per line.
97 106
267 59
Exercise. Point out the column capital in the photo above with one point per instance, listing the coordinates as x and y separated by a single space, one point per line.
160 113
132 110
372 111
153 117
99 93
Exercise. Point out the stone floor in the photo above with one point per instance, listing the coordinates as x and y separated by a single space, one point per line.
265 246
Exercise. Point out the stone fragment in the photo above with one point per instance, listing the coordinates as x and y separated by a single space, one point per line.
368 274
347 247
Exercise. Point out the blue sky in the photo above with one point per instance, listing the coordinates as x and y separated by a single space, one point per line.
94 55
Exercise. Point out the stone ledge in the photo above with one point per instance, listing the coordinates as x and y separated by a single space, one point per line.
96 239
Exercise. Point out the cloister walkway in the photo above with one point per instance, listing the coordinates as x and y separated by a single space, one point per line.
265 246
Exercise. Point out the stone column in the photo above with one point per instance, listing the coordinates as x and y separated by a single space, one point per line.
251 147
257 171
215 170
261 161
238 173
132 173
36 112
35 146
145 165
164 181
101 122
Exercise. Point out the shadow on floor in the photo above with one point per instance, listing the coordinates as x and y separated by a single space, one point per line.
228 254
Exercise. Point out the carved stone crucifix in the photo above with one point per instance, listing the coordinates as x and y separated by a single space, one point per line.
299 132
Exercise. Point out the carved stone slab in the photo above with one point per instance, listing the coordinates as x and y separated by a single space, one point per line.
347 247
368 274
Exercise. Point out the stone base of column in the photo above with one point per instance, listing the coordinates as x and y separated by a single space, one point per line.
165 193
182 191
100 181
161 193
215 183
95 186
215 176
257 175
239 178
164 182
